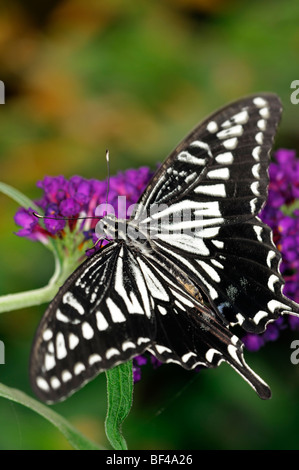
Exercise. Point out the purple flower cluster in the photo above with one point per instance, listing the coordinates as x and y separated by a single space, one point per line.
77 197
281 213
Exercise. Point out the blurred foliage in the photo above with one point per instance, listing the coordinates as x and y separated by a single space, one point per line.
135 77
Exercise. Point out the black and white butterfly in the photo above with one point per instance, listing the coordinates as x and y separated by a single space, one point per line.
171 285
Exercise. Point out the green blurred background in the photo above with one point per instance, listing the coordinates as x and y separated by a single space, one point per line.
135 77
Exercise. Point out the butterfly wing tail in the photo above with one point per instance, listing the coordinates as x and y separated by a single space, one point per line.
232 353
199 338
293 306
237 361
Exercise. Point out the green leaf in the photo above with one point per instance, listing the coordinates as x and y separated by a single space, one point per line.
17 196
74 437
120 398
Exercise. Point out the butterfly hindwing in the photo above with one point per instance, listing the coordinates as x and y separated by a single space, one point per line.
99 318
188 333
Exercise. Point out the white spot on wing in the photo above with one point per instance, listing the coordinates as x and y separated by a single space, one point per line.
260 102
256 170
155 286
66 376
210 354
49 361
61 351
102 323
42 384
259 315
69 299
255 188
116 314
208 209
112 352
87 330
212 190
274 304
188 158
240 318
93 358
184 242
73 341
162 310
270 256
182 299
241 118
256 153
212 127
225 158
55 382
218 243
264 112
142 340
253 205
259 138
234 339
47 334
258 230
262 124
216 263
187 356
220 173
230 144
202 145
142 287
78 368
210 232
128 345
234 131
181 307
61 317
209 270
271 281
162 349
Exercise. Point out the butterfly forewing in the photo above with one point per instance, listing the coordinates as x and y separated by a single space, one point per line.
206 215
221 159
205 263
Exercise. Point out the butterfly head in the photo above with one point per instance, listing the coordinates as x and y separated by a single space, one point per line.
110 227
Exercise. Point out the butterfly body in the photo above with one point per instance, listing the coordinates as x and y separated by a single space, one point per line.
193 260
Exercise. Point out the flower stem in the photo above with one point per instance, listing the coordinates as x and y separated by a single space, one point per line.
38 296
27 299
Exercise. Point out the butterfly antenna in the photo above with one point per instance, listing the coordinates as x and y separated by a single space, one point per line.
108 178
36 214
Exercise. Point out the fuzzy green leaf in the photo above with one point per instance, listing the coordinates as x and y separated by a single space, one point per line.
17 196
120 398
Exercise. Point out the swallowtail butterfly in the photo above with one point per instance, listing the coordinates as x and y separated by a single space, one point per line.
172 285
